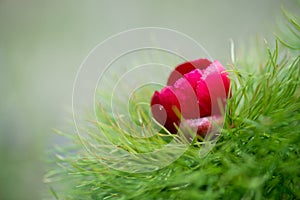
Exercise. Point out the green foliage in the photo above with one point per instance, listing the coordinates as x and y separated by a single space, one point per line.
256 157
289 34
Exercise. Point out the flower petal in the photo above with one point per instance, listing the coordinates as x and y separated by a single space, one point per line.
201 125
206 124
187 97
163 105
212 90
186 67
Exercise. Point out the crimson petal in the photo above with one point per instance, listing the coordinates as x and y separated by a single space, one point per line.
187 67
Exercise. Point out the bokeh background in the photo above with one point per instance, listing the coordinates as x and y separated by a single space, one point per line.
42 44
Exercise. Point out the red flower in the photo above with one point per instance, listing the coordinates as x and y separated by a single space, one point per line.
194 90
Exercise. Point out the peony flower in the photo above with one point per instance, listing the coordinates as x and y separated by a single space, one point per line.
195 91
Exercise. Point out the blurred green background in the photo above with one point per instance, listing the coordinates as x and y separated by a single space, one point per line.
42 44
